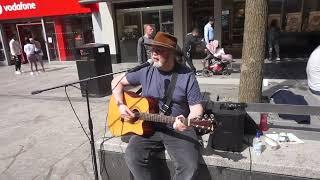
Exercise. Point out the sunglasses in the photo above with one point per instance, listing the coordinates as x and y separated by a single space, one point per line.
158 50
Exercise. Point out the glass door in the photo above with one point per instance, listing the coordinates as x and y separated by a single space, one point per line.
35 31
52 41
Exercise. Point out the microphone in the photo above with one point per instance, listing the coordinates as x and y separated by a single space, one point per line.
145 64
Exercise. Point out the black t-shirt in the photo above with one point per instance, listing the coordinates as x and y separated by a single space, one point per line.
190 42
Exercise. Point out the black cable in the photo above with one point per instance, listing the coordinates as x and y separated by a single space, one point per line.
102 157
91 150
250 168
65 89
91 153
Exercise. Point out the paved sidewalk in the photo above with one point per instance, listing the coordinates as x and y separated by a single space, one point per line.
40 138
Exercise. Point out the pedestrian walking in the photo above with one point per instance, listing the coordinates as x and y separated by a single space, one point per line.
144 52
209 31
16 52
29 49
191 40
273 39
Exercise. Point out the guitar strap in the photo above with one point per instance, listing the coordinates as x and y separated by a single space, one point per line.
139 91
168 95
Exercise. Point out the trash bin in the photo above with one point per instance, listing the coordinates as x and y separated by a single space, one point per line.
95 60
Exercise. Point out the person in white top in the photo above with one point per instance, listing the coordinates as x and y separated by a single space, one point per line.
313 71
16 52
29 49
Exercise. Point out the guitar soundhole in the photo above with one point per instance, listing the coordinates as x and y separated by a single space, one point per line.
136 118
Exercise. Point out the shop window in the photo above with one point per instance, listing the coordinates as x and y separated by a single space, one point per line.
130 24
78 31
293 16
238 22
274 10
198 13
151 17
130 27
311 17
166 21
293 6
129 31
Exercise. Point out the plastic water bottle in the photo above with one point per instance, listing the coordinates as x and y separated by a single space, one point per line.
257 144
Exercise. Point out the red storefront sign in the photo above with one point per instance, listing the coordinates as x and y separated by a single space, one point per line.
18 9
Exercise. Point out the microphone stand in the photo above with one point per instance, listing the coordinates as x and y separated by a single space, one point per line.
90 124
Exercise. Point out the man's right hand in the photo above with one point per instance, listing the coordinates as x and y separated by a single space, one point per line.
125 112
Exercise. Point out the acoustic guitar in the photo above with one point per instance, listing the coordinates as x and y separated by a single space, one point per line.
146 111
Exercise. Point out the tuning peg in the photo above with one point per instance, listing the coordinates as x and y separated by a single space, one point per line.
205 116
211 116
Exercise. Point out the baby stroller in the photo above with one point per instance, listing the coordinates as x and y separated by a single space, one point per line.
218 61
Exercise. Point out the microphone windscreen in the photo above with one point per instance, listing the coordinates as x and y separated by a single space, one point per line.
150 61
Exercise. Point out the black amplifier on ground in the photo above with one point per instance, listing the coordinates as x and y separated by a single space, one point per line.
229 133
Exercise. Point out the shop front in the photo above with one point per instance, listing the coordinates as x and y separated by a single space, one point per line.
298 20
129 17
121 24
59 27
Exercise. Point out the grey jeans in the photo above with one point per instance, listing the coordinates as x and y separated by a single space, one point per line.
274 45
183 148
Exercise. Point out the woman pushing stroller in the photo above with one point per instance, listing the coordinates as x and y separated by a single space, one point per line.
217 60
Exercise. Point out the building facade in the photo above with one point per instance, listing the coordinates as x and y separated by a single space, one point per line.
62 26
59 26
299 21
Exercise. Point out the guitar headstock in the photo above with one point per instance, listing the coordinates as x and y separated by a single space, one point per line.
205 124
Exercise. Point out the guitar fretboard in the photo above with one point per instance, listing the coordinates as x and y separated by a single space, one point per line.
157 118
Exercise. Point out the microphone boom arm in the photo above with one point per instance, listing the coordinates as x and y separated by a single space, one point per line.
76 82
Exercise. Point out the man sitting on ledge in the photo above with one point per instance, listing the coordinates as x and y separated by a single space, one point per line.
180 141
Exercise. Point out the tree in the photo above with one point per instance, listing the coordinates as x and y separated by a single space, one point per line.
253 51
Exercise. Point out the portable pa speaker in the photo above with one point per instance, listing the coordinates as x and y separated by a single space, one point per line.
229 133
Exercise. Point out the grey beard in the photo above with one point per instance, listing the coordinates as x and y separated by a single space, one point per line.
156 64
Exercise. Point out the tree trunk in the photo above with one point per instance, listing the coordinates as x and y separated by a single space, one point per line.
253 51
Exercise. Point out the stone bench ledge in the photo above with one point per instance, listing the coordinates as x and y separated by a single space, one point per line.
301 160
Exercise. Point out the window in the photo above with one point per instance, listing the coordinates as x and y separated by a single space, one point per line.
311 16
2 57
166 21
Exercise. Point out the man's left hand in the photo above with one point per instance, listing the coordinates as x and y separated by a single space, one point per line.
178 125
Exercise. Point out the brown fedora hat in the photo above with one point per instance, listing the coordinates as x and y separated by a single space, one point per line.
164 40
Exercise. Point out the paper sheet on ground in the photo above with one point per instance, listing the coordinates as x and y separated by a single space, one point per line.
292 138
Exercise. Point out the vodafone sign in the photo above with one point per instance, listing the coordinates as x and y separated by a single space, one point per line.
15 9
